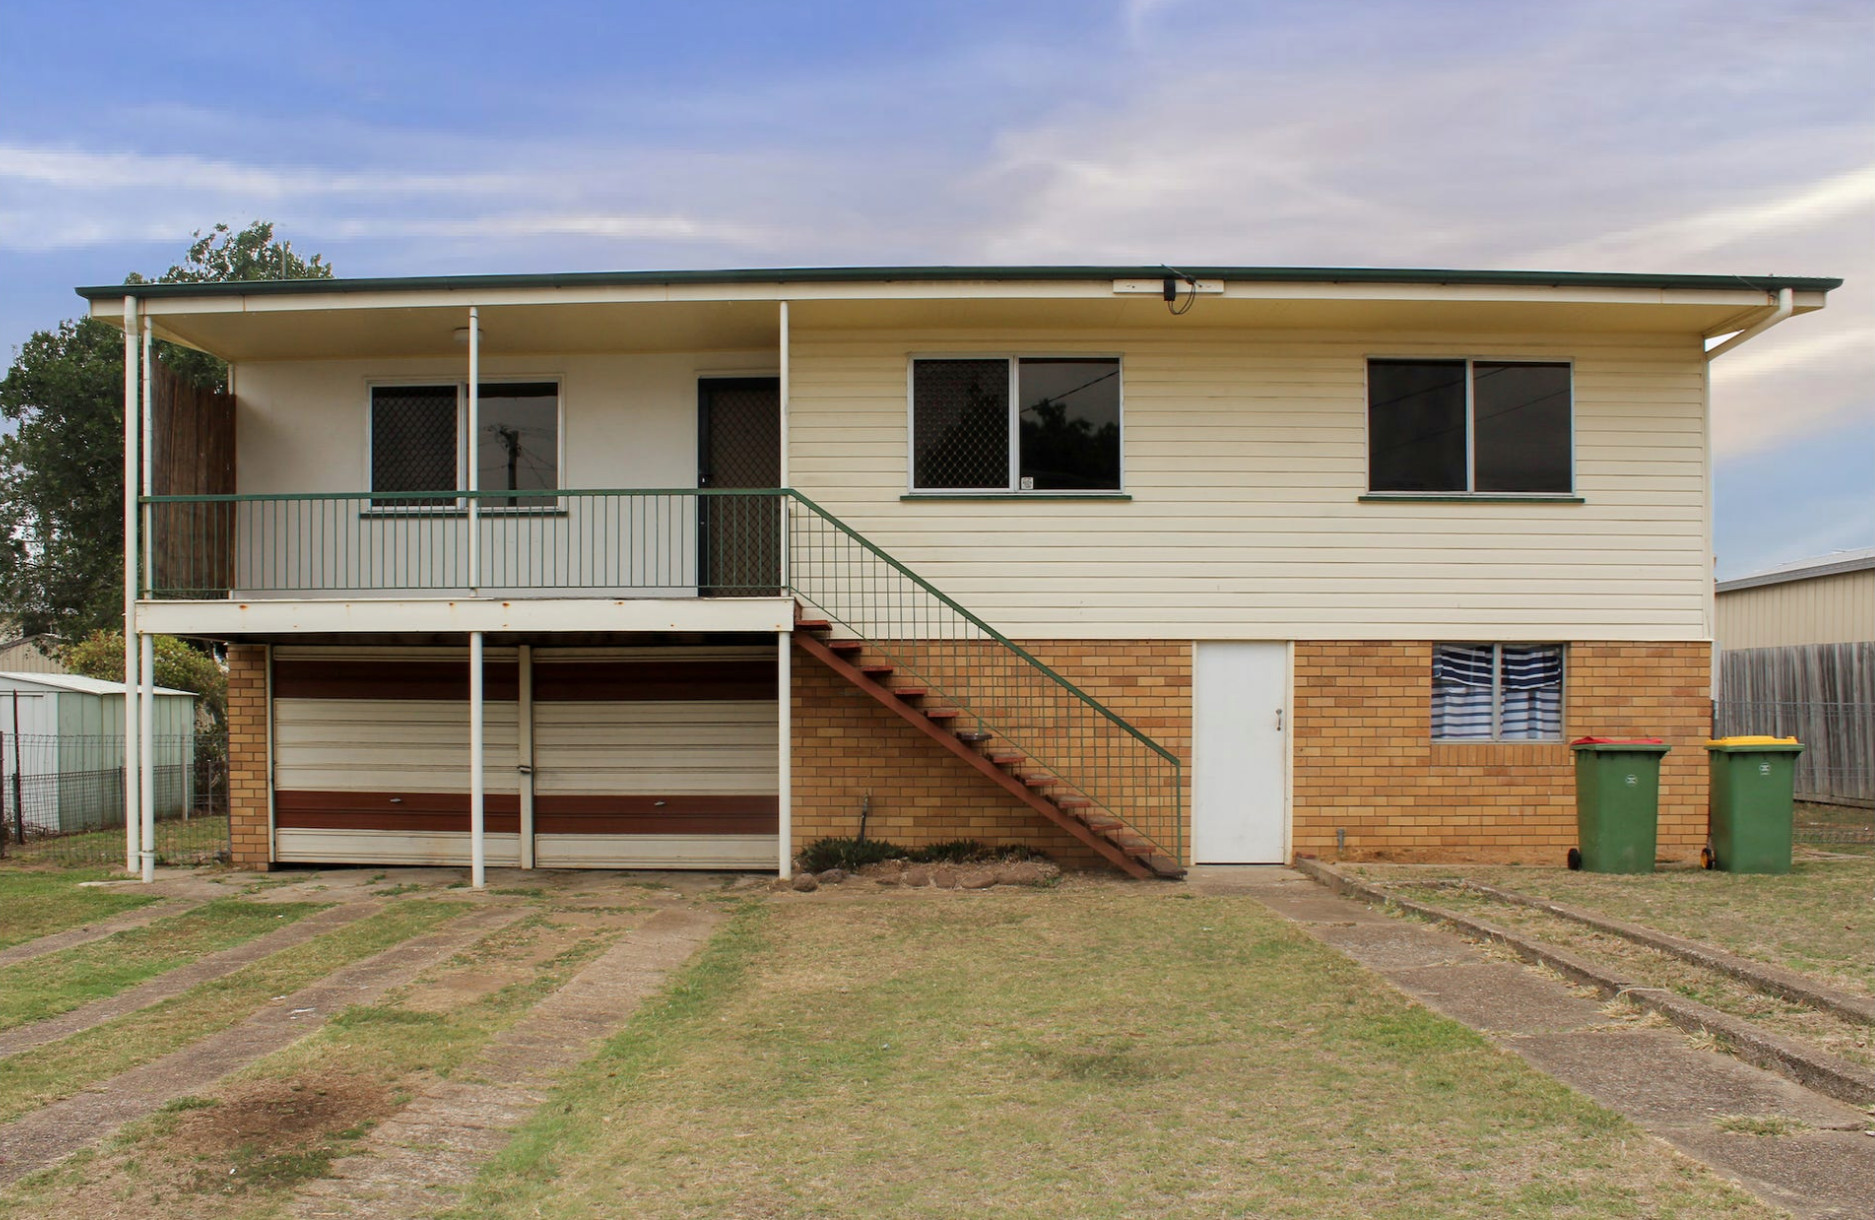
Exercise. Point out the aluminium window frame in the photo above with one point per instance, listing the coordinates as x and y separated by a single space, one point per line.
465 449
1012 488
1470 491
1497 737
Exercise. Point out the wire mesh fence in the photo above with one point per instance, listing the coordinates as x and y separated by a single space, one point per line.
62 799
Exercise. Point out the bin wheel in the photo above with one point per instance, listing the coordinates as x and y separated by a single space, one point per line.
1707 859
1575 859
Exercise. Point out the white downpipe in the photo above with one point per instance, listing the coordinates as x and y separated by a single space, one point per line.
133 820
1786 305
147 451
475 431
784 777
146 770
524 722
478 795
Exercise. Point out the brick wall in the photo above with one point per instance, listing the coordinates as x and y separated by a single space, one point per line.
1364 760
846 745
247 755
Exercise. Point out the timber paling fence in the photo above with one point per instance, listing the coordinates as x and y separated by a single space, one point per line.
62 800
1824 696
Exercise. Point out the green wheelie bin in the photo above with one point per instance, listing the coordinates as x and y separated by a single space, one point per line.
1753 790
1617 803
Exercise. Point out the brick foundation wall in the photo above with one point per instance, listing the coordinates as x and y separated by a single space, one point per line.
1364 760
846 745
247 755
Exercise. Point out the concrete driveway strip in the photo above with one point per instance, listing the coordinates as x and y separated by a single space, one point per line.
53 1132
1823 1168
179 980
417 1162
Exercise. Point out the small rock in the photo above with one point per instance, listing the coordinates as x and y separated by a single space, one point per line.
1026 872
977 879
805 883
917 874
886 879
832 876
944 877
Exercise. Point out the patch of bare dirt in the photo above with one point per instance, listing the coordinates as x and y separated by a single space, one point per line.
271 1116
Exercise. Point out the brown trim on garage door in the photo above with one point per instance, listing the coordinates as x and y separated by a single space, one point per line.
638 681
448 680
648 815
307 810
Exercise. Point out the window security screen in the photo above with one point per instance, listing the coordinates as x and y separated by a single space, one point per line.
413 441
960 423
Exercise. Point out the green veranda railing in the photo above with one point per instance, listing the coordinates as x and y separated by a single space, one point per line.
671 542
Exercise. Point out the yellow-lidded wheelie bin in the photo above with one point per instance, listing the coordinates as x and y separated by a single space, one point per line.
1617 803
1753 795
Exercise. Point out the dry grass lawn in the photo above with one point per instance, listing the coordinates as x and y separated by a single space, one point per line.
1100 1050
39 902
1818 918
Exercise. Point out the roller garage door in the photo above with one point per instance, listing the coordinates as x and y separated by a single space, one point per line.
655 758
641 757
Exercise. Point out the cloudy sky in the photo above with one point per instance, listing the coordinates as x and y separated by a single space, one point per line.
399 138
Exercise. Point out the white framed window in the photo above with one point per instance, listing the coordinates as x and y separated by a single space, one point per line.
1015 424
416 442
1477 427
1497 692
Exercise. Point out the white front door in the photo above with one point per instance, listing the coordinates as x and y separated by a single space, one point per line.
1240 753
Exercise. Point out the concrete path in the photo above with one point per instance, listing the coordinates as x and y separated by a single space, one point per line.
53 1132
1824 1170
418 1161
179 980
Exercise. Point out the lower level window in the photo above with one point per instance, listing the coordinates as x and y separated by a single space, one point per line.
1497 692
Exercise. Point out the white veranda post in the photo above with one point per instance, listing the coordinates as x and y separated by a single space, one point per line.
146 646
133 470
478 846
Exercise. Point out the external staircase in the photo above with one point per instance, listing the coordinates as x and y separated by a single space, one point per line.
1003 764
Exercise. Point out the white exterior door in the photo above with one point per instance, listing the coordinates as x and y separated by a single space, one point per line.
1240 753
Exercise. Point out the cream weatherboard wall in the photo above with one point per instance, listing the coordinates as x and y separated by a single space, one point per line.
628 420
1245 459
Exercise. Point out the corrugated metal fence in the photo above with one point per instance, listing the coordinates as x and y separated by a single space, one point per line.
1821 694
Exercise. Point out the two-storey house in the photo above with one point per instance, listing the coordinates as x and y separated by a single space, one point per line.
684 569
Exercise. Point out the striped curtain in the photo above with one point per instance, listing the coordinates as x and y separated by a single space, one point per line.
1531 681
1461 692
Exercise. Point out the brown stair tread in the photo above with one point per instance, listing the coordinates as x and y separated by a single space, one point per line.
812 624
975 737
876 670
1004 758
942 713
1073 802
846 645
1040 781
910 692
1165 866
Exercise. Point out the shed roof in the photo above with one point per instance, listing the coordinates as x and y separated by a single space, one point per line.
78 684
1836 563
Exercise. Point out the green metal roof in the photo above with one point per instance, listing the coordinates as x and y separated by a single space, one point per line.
882 275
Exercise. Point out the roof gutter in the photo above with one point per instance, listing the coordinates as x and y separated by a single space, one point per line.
1786 305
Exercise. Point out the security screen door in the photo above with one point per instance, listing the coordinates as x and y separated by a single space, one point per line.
738 445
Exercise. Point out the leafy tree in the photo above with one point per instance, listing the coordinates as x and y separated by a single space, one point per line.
61 471
221 256
178 666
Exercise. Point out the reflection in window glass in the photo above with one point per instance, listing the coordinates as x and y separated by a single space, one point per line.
518 443
1070 424
1521 424
1416 425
